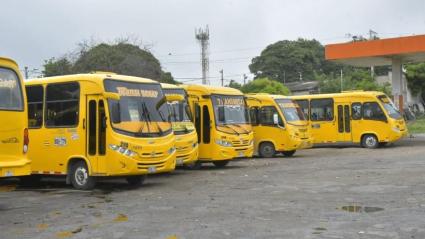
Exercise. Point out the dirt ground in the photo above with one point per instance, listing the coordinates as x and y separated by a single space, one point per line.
347 192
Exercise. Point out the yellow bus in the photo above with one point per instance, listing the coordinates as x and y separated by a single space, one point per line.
13 122
368 118
222 122
88 126
279 125
183 128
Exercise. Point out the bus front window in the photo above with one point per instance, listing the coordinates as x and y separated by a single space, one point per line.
389 107
180 115
231 112
290 110
10 91
142 110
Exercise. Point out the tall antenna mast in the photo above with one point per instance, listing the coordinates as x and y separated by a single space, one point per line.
203 37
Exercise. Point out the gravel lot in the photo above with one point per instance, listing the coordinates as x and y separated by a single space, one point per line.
319 193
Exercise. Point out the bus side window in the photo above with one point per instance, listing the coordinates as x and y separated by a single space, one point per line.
322 109
35 106
253 112
206 125
356 111
266 116
62 105
372 111
102 128
304 106
198 121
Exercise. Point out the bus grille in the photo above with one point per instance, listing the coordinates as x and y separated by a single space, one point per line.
238 143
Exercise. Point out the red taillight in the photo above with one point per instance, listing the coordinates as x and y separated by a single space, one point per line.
26 140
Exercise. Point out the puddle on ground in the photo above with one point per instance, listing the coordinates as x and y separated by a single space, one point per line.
359 209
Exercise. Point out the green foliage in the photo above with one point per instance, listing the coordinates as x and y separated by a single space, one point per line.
265 85
352 80
121 58
417 126
234 84
56 67
285 60
416 78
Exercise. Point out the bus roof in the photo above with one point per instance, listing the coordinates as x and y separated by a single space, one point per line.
266 96
8 62
356 93
211 90
170 86
94 77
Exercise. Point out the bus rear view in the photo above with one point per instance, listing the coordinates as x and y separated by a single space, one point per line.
13 122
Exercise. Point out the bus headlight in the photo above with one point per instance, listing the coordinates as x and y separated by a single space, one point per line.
171 150
396 129
194 145
223 143
123 151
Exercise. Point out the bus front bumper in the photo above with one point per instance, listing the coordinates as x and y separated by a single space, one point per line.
185 158
20 167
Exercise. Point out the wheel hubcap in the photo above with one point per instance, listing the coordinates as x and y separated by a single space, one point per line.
81 176
267 149
370 141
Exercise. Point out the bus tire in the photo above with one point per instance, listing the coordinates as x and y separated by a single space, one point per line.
80 177
370 141
221 163
288 153
194 166
267 150
31 180
136 181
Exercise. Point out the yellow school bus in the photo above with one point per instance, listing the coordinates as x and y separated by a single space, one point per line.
13 122
183 128
221 119
365 117
279 125
87 126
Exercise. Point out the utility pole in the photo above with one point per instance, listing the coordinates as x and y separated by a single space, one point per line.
244 78
341 82
284 77
222 78
26 72
301 76
203 37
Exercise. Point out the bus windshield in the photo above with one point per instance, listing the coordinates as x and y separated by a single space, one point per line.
180 115
142 109
231 114
10 91
291 110
389 107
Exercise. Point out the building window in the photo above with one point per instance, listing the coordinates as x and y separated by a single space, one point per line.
372 111
62 108
35 106
321 109
356 111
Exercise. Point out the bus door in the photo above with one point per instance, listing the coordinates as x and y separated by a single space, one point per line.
344 122
323 121
96 133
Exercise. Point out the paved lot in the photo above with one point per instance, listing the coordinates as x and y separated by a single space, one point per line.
319 193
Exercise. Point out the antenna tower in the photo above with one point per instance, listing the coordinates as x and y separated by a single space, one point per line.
203 37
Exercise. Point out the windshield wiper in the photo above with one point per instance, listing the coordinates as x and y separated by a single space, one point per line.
148 118
227 126
145 115
240 127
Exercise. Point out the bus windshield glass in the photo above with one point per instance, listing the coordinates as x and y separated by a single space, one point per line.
180 115
231 114
290 110
389 107
10 91
142 110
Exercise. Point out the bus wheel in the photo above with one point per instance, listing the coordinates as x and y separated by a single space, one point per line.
80 177
194 166
136 180
370 141
221 163
31 180
288 153
267 150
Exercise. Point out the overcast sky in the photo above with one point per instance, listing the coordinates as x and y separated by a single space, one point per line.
36 30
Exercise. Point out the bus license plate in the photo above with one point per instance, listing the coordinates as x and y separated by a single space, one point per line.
241 154
8 174
152 169
179 162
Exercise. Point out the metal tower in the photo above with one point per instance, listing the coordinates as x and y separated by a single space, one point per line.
203 37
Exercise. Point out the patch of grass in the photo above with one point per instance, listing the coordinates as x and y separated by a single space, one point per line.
417 126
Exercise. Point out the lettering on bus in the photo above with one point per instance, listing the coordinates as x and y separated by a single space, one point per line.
11 84
230 101
287 105
124 91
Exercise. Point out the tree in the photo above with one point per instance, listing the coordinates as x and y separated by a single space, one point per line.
265 85
121 58
415 76
285 60
234 84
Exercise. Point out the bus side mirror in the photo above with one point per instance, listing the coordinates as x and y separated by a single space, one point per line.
275 119
171 98
221 117
116 113
111 95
